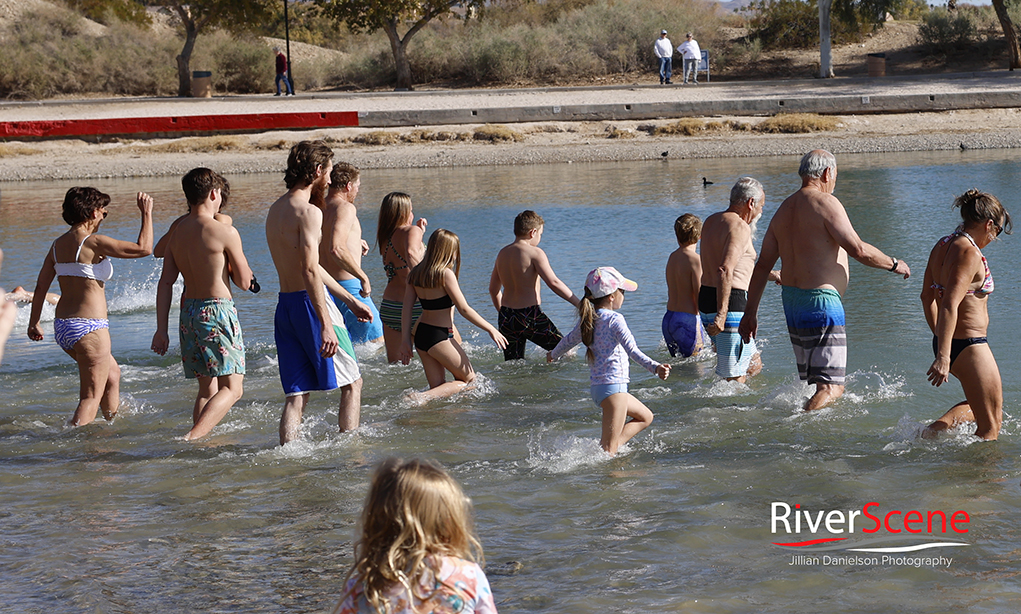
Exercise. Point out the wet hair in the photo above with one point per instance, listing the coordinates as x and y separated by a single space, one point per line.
393 211
304 159
343 174
587 307
80 203
414 510
979 206
745 188
688 229
443 252
815 162
526 221
199 182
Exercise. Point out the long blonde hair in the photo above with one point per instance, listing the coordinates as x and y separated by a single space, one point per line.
587 307
443 252
414 510
393 212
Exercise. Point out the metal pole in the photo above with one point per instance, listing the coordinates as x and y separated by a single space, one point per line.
287 38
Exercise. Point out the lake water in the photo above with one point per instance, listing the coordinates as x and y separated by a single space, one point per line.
127 517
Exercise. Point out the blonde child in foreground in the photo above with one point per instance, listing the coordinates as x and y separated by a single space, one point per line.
682 326
417 552
609 341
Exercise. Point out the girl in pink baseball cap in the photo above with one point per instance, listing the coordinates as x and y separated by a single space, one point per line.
609 342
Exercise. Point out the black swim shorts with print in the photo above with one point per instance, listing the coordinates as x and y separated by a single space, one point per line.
526 324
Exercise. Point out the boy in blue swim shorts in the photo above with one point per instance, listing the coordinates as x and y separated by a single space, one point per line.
341 251
682 327
207 253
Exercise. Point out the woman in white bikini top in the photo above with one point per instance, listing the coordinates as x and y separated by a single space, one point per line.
80 326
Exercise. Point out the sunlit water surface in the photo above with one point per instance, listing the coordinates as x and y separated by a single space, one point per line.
127 517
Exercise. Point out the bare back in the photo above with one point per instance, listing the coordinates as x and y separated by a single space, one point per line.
683 275
519 275
727 238
199 249
404 251
955 268
803 230
293 231
340 226
80 297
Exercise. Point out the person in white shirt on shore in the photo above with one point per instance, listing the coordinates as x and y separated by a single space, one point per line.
692 56
664 51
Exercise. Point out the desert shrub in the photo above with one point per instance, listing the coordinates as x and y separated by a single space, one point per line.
943 33
111 11
797 123
48 54
616 132
909 10
785 24
240 65
496 133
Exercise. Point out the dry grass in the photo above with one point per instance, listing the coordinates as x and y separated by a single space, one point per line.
797 123
613 132
496 133
11 150
377 137
432 136
198 144
684 127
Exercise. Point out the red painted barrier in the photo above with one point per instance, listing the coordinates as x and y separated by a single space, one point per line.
141 126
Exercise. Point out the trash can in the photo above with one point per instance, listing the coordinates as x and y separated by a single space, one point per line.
877 64
202 83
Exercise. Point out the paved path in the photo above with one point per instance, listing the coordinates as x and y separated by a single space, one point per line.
847 96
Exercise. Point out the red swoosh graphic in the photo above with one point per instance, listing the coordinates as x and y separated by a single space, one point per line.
812 542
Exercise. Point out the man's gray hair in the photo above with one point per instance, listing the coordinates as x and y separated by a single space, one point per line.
815 162
745 188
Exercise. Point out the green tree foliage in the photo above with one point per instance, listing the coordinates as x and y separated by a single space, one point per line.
392 16
794 24
196 16
107 11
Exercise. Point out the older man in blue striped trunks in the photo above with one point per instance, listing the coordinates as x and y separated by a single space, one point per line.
813 236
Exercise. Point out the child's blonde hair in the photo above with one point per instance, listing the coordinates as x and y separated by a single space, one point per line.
688 229
443 252
414 510
587 307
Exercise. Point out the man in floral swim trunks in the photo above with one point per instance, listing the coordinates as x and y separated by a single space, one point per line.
209 255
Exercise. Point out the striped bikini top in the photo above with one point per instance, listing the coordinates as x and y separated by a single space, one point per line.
987 282
100 271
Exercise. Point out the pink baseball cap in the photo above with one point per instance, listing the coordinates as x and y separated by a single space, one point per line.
606 280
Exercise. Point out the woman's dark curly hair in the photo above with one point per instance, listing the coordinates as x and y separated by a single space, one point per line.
80 203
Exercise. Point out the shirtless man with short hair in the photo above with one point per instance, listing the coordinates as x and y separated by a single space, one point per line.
209 255
813 236
514 288
342 249
314 350
728 257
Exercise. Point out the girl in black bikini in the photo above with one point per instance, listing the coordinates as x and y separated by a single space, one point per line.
433 282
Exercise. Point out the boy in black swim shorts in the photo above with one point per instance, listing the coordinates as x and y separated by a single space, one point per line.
514 288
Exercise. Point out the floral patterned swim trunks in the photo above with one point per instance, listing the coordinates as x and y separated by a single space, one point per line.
211 341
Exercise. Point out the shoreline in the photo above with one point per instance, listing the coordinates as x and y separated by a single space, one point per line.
540 143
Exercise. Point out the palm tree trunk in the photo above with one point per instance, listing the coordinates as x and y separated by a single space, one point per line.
1010 32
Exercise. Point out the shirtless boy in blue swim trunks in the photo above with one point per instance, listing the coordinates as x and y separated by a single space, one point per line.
314 350
514 288
342 248
209 255
682 326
